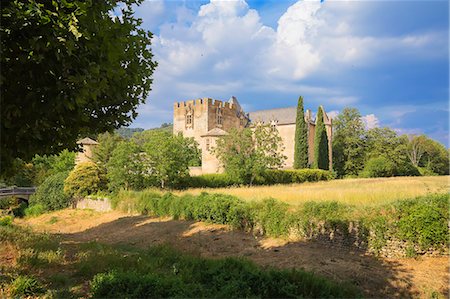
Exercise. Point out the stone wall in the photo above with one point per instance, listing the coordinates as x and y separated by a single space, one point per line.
96 204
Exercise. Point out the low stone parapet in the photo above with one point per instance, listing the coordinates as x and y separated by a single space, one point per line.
96 204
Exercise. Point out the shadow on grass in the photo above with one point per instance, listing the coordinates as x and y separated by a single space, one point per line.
375 277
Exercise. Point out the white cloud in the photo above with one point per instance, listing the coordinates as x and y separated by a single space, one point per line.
370 121
224 48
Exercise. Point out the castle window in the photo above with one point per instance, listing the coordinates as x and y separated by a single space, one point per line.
189 118
273 125
208 145
219 116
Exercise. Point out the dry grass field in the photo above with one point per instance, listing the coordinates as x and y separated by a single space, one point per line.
359 192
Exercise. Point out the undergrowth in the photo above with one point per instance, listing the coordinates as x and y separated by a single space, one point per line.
419 222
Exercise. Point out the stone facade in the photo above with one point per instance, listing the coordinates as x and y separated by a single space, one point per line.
206 120
87 145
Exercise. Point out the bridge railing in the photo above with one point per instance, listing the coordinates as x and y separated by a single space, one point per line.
17 191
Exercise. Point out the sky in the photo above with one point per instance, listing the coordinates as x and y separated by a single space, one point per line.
388 59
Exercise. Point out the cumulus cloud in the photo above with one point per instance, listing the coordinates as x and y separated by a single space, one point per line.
224 48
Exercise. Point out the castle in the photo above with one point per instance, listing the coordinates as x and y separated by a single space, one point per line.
206 120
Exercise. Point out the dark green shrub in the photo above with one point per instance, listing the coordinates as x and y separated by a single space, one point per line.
272 217
278 176
379 167
215 180
135 285
424 220
50 194
25 286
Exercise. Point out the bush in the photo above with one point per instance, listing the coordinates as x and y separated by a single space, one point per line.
35 210
85 179
425 171
215 180
224 278
50 194
269 177
423 221
25 286
276 176
378 167
6 220
271 217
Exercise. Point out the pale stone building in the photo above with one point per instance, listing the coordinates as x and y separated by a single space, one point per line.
87 145
206 120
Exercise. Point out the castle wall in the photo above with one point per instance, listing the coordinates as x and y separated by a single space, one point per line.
287 134
86 155
210 163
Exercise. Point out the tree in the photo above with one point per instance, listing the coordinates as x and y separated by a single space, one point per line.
384 142
68 69
246 154
301 138
50 194
416 148
321 155
349 143
87 178
435 157
107 144
169 156
128 168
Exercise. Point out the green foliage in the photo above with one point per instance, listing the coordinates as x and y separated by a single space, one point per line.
50 194
36 209
169 156
49 48
128 167
224 278
85 179
63 162
104 150
423 221
384 142
435 157
25 286
321 155
278 176
301 138
213 180
247 153
6 220
378 167
348 143
271 217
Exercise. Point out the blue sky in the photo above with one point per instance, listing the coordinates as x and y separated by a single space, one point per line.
389 59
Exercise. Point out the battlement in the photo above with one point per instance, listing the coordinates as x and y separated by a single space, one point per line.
204 102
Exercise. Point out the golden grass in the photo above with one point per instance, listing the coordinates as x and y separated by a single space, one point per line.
367 192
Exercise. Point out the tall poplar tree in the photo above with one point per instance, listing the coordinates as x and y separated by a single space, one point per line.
301 138
321 159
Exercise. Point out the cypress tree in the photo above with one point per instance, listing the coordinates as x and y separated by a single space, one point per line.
321 159
301 138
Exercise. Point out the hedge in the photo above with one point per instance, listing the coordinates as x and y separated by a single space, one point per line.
270 177
420 222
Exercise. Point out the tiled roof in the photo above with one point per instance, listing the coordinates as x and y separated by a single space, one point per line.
87 140
281 115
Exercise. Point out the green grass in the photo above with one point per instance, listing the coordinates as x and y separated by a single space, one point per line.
47 267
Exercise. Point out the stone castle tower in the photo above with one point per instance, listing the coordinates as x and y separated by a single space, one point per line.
206 120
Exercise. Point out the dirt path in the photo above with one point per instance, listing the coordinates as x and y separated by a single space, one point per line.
377 277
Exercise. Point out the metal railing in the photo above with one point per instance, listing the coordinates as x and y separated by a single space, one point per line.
17 191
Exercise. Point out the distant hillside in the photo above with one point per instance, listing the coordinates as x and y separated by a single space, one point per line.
128 132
